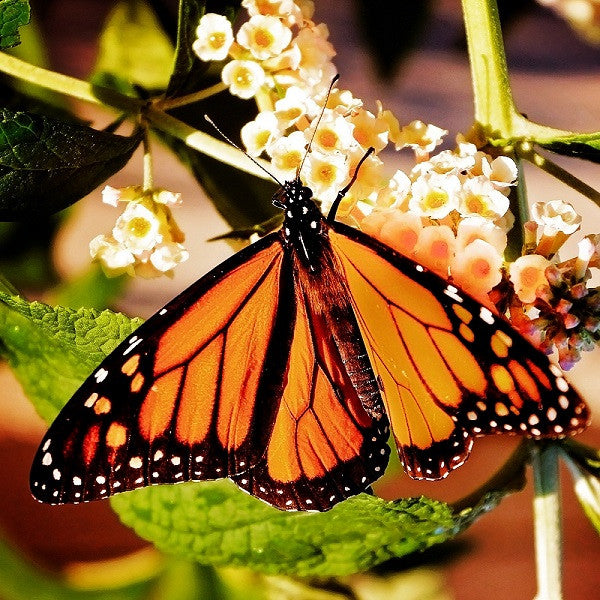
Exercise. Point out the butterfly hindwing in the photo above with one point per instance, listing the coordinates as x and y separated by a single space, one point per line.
324 446
449 368
162 408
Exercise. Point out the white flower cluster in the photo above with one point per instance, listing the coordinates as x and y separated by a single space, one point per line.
277 47
450 213
145 240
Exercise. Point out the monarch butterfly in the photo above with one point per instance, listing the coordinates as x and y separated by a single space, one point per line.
285 367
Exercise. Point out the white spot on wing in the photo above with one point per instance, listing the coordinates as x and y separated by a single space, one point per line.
47 460
100 375
46 445
486 315
132 346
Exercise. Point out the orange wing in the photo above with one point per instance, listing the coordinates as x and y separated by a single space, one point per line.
192 394
448 368
324 446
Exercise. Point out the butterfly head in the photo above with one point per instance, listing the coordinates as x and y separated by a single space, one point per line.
301 212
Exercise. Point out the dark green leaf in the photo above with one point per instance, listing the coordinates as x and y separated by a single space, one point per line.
47 164
189 73
215 523
52 350
13 14
584 145
134 49
391 29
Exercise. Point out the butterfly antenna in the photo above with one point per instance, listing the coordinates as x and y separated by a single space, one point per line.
242 151
344 190
333 82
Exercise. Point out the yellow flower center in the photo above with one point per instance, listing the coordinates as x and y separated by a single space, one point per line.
291 160
216 40
263 38
139 226
292 113
262 138
243 77
328 138
475 204
436 198
327 173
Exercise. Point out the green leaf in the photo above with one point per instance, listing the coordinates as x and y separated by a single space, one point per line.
13 14
52 350
133 48
47 164
215 523
92 289
21 581
189 72
581 145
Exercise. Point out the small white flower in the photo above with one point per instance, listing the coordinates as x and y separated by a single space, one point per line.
477 268
258 134
111 195
369 130
370 178
287 154
434 195
167 197
400 231
395 192
334 133
114 259
325 174
265 36
527 275
287 10
316 53
474 228
167 256
420 136
293 106
502 171
479 197
445 162
137 229
215 37
556 215
435 248
243 77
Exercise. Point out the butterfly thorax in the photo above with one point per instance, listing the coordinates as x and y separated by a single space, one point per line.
303 222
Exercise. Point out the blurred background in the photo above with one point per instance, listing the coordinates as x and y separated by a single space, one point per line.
556 80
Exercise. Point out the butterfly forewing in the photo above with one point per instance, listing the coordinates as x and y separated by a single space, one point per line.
449 368
162 408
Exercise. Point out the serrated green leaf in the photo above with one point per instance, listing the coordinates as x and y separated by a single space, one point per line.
215 523
189 72
13 14
133 47
52 350
47 164
584 145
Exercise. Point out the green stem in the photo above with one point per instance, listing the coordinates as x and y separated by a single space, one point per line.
204 143
558 172
546 514
169 103
148 167
69 86
494 104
